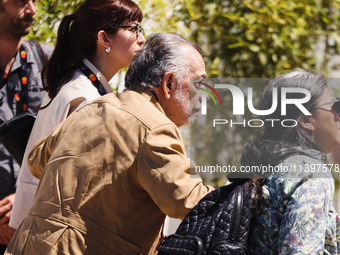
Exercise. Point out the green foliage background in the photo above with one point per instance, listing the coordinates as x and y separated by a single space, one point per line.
261 38
250 38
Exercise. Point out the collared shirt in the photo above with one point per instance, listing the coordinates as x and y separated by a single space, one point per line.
8 168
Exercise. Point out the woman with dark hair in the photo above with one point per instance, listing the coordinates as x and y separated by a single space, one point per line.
93 44
296 215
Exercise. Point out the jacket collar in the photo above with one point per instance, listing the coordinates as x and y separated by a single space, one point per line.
151 97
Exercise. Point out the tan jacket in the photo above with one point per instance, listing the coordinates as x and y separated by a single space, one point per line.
110 174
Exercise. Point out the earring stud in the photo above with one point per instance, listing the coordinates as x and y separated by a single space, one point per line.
108 49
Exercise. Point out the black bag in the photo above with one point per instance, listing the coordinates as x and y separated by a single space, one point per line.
218 224
14 134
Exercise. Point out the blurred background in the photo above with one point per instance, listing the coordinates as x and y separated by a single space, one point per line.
252 39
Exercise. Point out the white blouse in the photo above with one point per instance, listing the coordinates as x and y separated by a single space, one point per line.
47 119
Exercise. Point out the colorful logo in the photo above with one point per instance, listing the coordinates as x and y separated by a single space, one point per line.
209 93
92 77
23 54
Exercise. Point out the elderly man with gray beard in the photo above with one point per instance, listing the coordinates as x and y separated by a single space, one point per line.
116 167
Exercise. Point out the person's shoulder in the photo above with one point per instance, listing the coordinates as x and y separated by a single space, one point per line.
37 53
134 105
47 49
299 159
300 171
78 87
42 47
303 166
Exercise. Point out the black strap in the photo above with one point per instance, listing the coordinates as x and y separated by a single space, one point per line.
39 54
93 78
23 98
3 79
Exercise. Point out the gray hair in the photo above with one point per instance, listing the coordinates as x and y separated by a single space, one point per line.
297 79
162 52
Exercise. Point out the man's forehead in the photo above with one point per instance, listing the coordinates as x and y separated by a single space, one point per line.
190 51
192 55
197 64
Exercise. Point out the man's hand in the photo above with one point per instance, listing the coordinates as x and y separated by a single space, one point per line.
6 232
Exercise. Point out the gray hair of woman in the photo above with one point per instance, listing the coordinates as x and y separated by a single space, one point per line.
315 84
162 52
263 149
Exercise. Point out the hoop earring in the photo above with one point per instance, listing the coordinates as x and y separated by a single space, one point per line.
108 49
70 25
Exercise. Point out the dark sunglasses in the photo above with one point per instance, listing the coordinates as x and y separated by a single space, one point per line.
335 107
137 29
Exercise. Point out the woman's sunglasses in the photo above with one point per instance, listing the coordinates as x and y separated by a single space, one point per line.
335 107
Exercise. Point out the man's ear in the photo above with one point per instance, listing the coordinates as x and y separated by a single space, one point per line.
305 122
167 84
103 39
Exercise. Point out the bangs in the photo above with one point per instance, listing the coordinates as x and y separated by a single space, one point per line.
133 12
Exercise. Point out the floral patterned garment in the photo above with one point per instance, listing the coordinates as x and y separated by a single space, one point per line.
298 215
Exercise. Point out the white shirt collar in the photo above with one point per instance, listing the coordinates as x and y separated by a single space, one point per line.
99 75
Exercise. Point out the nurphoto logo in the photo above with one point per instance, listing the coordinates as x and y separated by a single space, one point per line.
238 99
230 112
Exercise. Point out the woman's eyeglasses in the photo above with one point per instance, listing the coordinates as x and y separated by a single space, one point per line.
335 107
137 29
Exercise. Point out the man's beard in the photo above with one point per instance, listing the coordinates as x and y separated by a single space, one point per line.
182 101
21 27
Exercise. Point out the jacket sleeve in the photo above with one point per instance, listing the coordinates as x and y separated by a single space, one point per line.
304 222
41 153
164 172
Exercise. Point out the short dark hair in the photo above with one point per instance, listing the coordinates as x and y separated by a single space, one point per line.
161 53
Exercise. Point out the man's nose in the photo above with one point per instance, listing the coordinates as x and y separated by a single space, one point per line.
30 7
